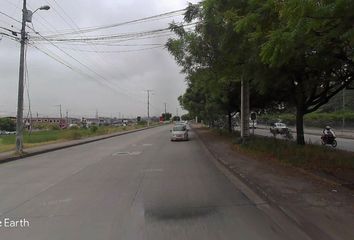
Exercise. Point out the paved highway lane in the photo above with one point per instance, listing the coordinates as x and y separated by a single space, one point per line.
135 186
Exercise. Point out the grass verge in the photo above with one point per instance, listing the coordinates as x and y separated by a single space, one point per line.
7 143
307 157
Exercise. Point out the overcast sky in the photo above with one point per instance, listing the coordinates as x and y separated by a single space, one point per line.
118 75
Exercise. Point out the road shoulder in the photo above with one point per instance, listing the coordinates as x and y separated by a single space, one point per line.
323 209
11 156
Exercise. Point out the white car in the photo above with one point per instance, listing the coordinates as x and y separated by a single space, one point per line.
179 132
278 128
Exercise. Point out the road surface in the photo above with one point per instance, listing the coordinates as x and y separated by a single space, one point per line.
135 186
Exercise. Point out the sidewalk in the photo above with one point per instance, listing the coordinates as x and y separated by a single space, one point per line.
341 133
322 208
10 156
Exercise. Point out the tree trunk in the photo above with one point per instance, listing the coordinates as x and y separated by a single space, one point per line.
245 110
300 138
229 119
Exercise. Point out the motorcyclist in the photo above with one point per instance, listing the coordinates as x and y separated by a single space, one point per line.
328 134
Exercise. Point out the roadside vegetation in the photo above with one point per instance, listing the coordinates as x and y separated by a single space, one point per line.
308 157
296 56
41 137
320 159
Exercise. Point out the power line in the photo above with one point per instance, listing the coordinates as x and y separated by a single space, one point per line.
118 51
9 36
94 48
91 29
116 36
9 17
57 59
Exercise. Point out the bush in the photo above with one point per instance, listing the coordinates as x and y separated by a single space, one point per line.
142 123
93 128
74 127
308 156
72 135
54 127
7 124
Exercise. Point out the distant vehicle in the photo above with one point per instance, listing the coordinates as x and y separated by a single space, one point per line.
185 123
10 132
179 132
279 128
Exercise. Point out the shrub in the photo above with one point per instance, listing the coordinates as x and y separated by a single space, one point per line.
308 156
93 128
72 135
7 124
54 127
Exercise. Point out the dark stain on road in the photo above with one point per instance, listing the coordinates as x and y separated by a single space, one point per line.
178 213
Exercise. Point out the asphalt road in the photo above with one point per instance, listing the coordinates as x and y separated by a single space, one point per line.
343 143
135 186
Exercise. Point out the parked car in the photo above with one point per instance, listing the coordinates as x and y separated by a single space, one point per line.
179 132
7 132
279 128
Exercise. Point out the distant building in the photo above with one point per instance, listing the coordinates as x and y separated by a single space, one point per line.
61 122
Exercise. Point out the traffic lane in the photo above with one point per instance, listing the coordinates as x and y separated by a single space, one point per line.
183 196
149 188
343 143
87 196
25 178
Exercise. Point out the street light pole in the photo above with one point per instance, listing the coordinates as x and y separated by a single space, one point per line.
19 119
26 16
148 107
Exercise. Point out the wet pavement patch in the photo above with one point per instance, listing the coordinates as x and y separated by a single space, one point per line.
126 153
179 214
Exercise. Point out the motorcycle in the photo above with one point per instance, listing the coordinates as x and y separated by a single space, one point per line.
329 140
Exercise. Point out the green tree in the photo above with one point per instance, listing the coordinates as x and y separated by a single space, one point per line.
7 124
307 47
186 117
166 116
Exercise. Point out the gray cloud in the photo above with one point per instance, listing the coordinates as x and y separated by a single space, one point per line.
126 74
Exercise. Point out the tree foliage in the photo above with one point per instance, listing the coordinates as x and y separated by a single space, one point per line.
298 53
7 124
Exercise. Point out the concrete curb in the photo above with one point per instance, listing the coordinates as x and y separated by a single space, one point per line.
256 195
50 148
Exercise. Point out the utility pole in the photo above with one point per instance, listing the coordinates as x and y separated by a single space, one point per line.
67 117
165 109
148 106
19 118
60 112
26 17
245 109
343 109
